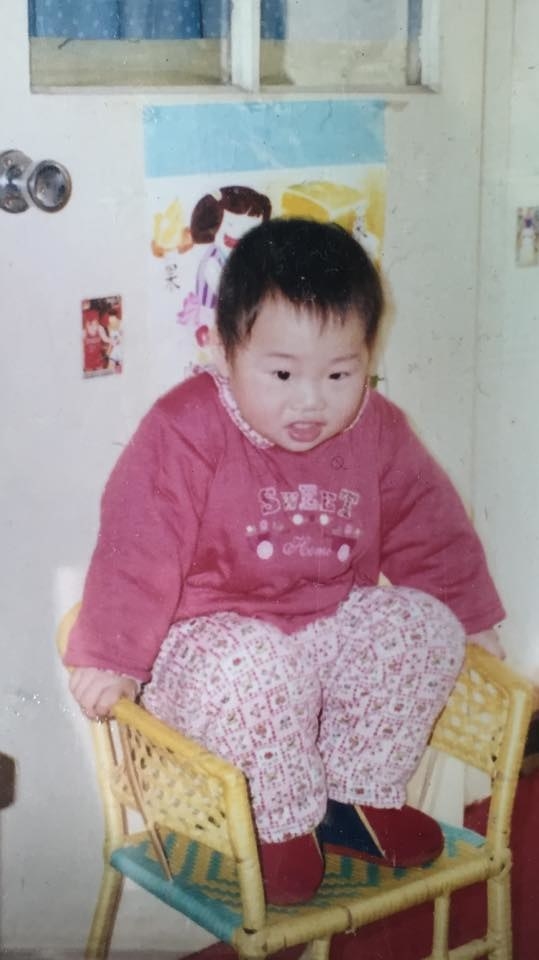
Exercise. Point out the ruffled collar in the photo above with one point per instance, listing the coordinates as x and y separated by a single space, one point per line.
229 403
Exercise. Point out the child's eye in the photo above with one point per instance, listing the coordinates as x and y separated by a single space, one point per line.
282 374
340 375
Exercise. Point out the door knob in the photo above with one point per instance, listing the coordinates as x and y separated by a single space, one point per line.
46 184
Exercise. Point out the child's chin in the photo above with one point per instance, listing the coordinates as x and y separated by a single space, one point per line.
298 446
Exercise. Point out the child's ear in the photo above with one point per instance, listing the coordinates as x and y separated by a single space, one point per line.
217 352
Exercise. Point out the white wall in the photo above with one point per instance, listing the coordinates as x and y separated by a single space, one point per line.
62 434
506 471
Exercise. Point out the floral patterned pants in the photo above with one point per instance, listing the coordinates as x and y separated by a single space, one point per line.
342 708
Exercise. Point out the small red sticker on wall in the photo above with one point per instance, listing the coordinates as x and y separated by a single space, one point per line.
102 336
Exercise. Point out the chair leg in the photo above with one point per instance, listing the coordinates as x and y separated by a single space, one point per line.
316 950
499 916
440 946
108 901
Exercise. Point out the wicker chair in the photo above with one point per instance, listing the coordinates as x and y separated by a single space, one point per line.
197 851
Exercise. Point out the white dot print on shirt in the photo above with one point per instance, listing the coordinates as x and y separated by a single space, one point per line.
264 550
343 552
343 540
260 536
298 519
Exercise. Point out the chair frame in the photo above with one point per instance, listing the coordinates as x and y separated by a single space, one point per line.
484 724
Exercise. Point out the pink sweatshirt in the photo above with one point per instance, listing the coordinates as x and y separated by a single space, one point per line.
199 517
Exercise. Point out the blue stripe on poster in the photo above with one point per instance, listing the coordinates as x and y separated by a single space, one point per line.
223 137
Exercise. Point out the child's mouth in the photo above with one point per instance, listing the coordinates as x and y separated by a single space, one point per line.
229 241
305 431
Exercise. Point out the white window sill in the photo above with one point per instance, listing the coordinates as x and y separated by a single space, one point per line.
198 67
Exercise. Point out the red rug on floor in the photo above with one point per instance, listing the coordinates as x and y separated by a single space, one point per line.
407 936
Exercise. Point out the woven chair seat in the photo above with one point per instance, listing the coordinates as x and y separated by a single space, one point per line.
204 884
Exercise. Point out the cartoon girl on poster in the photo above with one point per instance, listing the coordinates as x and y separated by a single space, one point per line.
218 220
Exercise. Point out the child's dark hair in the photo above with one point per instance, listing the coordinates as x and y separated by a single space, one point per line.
208 213
310 264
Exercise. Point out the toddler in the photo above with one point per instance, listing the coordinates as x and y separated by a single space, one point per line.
243 533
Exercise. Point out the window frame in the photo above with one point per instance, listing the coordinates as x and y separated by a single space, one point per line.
240 64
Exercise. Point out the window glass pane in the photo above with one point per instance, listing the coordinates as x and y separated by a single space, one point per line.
318 44
343 43
148 42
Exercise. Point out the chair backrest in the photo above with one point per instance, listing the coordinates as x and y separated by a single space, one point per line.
484 724
175 784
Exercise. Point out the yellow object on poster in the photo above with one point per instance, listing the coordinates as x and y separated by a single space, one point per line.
169 230
328 201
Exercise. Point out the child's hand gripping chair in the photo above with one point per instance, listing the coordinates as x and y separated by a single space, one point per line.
197 850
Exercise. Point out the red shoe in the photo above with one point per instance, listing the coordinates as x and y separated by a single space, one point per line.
396 837
292 870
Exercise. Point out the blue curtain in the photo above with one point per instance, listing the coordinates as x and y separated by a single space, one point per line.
151 19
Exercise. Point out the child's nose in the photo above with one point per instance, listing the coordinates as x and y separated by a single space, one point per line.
309 396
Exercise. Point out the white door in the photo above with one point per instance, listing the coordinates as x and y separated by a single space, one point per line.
61 434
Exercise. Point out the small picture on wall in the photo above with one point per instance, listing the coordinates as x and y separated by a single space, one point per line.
102 336
527 252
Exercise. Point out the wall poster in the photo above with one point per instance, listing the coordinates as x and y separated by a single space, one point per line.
215 170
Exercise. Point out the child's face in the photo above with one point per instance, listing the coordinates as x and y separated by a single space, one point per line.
296 382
